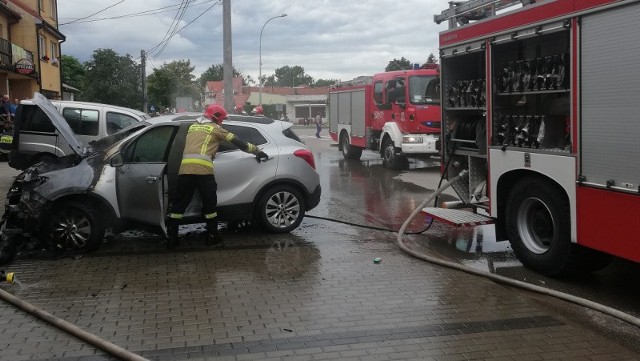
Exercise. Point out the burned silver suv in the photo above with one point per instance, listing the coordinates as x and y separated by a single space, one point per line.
125 182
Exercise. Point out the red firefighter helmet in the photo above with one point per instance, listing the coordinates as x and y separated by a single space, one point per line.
215 112
238 109
257 110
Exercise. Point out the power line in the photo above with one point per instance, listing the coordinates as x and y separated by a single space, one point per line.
172 28
155 11
219 2
96 13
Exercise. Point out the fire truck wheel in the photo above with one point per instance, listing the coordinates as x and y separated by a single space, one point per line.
538 224
391 159
75 226
349 151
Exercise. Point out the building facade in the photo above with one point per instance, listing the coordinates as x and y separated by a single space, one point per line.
30 48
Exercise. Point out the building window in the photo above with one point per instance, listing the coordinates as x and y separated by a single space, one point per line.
53 9
53 54
42 47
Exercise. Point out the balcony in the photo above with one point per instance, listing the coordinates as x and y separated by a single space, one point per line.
11 53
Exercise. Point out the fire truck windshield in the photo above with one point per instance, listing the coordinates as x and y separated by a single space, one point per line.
424 89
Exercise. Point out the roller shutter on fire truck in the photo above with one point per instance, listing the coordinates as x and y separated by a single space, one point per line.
610 104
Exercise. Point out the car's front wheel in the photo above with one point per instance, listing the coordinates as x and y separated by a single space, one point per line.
75 226
281 209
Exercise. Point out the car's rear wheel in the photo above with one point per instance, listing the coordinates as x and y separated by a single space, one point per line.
75 226
281 209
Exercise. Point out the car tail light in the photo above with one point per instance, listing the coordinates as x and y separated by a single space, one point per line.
307 156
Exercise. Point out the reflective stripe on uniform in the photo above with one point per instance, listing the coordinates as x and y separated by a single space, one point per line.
211 215
201 128
175 215
202 162
251 148
229 137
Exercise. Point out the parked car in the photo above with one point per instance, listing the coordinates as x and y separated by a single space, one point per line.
37 139
70 201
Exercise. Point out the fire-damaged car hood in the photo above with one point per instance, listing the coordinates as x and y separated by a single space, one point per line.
59 122
70 174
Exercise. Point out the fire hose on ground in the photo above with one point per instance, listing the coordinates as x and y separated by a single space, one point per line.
70 328
498 278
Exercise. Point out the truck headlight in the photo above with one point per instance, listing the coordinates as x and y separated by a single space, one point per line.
410 139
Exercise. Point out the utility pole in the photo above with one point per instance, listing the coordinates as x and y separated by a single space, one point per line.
227 66
143 61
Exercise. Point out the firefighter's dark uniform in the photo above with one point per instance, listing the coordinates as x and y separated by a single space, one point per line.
196 172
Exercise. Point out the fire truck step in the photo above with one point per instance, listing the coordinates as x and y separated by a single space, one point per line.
457 217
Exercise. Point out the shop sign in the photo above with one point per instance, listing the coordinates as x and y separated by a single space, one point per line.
25 66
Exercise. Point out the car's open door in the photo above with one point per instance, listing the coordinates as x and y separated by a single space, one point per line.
142 181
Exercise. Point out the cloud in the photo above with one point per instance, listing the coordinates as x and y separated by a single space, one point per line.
330 39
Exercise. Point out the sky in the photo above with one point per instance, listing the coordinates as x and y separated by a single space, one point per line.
330 39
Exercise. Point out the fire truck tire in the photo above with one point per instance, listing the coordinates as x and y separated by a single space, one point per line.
75 226
538 225
348 150
390 158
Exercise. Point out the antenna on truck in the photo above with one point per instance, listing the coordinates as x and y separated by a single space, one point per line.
461 12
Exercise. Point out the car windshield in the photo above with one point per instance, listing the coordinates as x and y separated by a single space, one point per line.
424 89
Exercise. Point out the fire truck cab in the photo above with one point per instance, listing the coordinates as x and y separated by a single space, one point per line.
395 113
540 106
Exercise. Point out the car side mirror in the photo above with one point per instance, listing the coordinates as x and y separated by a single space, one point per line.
116 160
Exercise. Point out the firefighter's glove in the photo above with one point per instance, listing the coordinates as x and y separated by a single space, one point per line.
261 156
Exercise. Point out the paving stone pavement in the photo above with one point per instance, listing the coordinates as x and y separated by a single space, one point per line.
283 298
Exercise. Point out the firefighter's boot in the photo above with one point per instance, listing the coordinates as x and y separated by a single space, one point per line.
213 235
172 233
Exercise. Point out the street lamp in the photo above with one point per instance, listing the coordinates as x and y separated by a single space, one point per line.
260 67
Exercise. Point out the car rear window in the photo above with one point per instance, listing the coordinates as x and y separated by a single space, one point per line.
247 134
289 133
32 118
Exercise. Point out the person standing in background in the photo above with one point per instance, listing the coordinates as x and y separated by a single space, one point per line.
318 125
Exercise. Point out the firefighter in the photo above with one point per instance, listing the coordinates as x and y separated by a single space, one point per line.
257 111
239 109
196 171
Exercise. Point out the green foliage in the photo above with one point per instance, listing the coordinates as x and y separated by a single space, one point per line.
171 80
431 59
289 76
113 79
72 71
216 73
323 82
402 64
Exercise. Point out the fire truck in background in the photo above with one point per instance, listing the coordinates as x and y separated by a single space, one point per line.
395 113
540 106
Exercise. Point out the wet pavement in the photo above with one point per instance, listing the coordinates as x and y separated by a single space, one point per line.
314 294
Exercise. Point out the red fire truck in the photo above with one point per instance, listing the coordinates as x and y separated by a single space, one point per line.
540 104
394 113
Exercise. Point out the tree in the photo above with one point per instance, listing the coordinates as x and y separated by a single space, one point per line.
432 59
171 80
113 79
216 73
73 71
289 76
323 82
402 64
